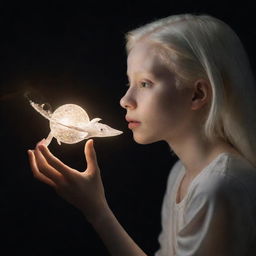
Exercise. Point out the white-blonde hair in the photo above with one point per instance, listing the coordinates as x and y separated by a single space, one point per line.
201 46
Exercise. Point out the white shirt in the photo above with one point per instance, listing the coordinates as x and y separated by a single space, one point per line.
217 216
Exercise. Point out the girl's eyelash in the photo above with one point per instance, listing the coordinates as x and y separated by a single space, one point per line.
141 84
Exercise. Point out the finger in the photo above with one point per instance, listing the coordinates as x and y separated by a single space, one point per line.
37 174
90 155
54 161
45 168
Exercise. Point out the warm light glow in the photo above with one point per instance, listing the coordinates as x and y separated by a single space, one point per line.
70 124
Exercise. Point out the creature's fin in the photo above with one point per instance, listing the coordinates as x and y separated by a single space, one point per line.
95 120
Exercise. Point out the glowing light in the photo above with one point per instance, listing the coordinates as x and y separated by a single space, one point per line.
70 124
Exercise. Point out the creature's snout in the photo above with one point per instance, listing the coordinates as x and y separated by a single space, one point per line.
107 131
115 132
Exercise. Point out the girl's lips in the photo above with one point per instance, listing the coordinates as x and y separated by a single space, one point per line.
133 124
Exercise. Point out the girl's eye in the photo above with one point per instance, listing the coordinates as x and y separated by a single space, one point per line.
144 84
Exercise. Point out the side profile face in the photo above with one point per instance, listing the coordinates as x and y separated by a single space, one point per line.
156 110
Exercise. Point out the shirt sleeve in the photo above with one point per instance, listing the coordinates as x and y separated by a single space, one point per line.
217 220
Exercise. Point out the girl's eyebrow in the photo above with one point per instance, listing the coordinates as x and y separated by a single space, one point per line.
139 73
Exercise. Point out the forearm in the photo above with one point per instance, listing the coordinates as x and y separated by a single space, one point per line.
113 235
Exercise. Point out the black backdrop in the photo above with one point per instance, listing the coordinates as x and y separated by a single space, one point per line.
74 53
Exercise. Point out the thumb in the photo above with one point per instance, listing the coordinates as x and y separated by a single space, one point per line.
90 155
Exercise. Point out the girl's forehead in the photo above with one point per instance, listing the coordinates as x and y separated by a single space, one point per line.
144 58
142 49
141 55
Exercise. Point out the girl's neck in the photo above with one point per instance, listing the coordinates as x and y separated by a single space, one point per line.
197 154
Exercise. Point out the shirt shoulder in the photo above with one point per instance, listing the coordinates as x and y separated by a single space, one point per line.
230 180
226 172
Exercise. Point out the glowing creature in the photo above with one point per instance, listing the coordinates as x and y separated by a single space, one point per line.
70 124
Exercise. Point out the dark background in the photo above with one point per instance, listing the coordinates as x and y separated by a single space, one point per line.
75 53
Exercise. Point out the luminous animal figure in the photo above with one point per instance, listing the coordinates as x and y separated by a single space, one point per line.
70 124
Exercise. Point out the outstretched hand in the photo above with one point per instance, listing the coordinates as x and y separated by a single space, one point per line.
82 189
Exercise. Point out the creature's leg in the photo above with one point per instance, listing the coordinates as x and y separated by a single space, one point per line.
48 139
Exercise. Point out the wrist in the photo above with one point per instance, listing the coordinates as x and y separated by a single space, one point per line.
99 216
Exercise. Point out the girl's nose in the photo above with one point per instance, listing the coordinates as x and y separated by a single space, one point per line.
127 102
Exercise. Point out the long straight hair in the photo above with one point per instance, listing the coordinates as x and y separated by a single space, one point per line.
201 46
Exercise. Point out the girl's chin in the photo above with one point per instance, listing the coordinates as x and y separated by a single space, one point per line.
143 140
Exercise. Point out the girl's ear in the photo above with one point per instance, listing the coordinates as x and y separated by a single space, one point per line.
201 94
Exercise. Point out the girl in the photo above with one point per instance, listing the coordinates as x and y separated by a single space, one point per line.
191 85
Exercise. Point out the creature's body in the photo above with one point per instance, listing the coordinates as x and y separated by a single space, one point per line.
70 124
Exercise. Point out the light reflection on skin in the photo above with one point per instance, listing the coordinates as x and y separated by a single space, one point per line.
152 98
